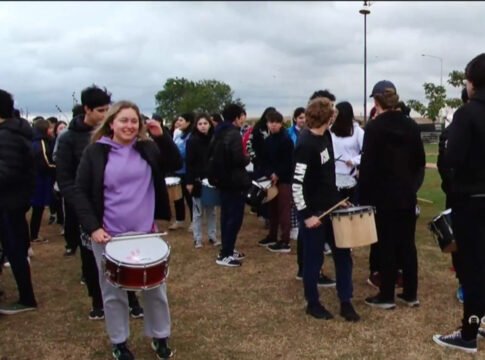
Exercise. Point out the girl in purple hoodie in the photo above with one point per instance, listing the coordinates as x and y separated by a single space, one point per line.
121 189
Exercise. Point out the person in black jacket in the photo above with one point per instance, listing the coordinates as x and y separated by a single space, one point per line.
113 199
277 165
16 187
196 171
228 163
465 154
391 172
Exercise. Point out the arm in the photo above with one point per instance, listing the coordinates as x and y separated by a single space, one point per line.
171 160
190 160
368 165
360 142
236 151
459 139
66 171
285 162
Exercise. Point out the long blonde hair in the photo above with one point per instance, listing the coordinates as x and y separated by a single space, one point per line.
104 128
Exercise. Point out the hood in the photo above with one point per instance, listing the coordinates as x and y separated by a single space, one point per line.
77 124
393 126
479 96
18 126
223 126
108 141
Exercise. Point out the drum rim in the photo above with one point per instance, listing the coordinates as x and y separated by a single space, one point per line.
165 258
353 210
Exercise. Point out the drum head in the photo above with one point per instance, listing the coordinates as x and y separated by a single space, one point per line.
205 182
137 251
266 184
270 194
172 180
353 210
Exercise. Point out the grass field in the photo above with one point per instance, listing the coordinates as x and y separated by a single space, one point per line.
253 312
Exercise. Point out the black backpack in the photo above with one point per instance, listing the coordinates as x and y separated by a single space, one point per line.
217 167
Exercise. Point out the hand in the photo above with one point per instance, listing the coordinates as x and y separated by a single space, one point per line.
100 236
190 188
274 178
312 222
347 204
154 127
349 163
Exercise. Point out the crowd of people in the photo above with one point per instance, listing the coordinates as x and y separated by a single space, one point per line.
104 175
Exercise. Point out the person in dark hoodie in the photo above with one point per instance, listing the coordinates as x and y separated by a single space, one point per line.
196 166
16 187
227 171
121 189
465 154
71 145
391 173
277 165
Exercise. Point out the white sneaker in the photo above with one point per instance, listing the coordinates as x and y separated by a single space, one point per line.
228 261
176 225
198 244
326 249
294 234
6 264
30 252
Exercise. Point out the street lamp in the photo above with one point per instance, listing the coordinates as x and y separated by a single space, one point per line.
441 69
365 10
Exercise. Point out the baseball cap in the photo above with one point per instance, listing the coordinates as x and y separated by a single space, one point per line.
381 86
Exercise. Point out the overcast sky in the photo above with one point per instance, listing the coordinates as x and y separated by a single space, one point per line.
270 53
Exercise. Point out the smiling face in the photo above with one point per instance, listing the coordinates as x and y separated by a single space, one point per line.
182 124
125 126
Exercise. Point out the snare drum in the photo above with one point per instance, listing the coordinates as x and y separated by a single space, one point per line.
209 196
441 229
138 262
174 188
354 226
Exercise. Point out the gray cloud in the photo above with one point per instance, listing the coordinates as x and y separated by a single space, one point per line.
270 53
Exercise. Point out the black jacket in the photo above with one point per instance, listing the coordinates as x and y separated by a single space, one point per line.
255 146
42 147
88 197
392 163
465 149
16 164
278 156
196 157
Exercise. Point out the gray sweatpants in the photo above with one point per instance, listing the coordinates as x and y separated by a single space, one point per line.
116 311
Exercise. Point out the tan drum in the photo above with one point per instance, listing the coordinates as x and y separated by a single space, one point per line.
354 226
174 188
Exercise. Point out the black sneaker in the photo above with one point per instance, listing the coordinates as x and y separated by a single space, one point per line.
318 311
348 312
136 312
326 282
121 352
96 314
238 255
409 302
455 341
228 261
279 247
375 301
69 252
52 219
266 242
161 349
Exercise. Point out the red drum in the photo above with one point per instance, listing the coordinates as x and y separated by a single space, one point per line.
138 262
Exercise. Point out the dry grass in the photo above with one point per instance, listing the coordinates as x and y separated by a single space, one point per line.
254 312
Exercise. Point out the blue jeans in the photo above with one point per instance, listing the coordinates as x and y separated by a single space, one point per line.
232 213
313 244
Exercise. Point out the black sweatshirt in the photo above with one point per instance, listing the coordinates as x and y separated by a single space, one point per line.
278 156
314 189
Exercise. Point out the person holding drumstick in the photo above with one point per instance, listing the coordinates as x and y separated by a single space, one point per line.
314 191
120 189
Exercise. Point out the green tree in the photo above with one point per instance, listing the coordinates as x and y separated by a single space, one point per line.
180 95
456 79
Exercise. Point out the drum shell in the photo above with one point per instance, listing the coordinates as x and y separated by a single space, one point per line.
210 196
440 226
355 229
174 190
135 278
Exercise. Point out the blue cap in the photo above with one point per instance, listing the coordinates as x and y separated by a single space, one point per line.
381 86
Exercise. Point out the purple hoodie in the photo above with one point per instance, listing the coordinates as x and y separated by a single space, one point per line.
129 193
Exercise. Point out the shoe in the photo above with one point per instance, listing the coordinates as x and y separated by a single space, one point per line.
374 280
299 275
279 247
481 333
83 281
399 280
69 252
197 244
121 352
455 341
459 294
326 282
348 312
6 264
266 242
191 228
375 301
318 311
161 349
96 314
40 240
294 233
228 261
326 249
62 231
176 225
214 242
238 255
136 312
30 252
15 308
409 302
52 219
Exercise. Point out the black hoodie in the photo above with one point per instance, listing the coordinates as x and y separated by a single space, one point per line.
16 164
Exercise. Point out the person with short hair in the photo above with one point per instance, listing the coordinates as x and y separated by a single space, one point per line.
391 173
465 154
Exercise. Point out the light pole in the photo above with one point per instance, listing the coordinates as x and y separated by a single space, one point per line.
365 11
441 63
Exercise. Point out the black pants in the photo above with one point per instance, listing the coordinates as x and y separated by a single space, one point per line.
35 220
14 235
396 234
71 228
57 207
469 229
180 205
232 214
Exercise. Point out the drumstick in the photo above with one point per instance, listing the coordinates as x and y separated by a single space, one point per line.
425 200
333 208
139 236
